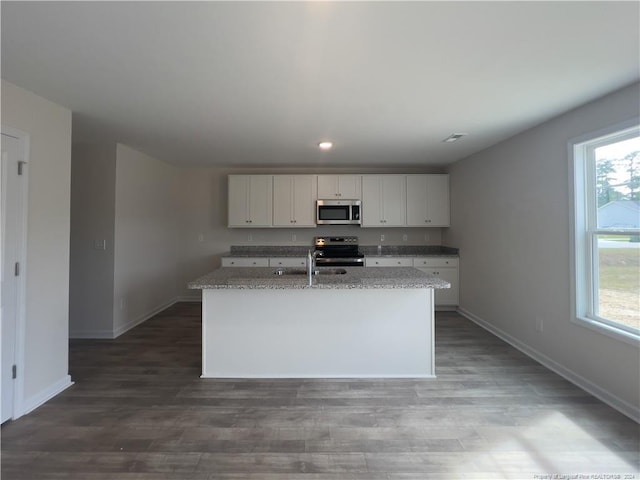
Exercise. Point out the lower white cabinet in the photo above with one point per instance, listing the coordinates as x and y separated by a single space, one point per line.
245 262
445 268
388 262
264 262
288 262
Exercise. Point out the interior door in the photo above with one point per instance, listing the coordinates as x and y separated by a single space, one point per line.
10 228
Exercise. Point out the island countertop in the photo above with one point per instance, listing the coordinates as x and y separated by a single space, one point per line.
354 278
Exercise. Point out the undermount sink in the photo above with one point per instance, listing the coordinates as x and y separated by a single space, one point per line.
302 271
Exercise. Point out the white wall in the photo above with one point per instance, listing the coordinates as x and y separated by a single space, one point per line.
511 219
93 180
47 273
146 237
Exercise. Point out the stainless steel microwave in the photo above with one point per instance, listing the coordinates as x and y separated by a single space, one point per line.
339 212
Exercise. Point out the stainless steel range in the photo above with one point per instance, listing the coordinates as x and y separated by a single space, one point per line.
338 252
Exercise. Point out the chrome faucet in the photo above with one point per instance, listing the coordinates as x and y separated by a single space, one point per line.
311 265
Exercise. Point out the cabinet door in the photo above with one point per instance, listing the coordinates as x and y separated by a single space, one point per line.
250 200
383 200
388 262
288 262
428 200
294 198
245 262
339 186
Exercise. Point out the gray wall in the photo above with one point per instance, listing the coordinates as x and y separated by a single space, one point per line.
93 175
511 220
146 237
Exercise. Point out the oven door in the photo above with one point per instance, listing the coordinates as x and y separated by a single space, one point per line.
339 262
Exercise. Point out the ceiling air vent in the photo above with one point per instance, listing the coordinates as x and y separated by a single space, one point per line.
454 137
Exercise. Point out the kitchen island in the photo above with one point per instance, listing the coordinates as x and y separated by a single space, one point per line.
353 322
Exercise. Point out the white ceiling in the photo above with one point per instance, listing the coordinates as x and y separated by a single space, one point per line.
259 84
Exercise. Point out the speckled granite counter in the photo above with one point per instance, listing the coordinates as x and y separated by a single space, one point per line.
355 278
368 250
408 251
267 251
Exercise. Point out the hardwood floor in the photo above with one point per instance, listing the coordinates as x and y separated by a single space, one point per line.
139 410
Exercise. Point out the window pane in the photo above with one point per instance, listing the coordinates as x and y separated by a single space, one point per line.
618 184
619 279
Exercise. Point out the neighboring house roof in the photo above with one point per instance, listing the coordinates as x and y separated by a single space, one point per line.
619 214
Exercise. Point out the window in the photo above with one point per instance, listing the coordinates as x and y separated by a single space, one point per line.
606 233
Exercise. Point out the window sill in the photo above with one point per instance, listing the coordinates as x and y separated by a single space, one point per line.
608 330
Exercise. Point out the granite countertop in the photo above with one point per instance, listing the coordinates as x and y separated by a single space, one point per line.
367 250
355 278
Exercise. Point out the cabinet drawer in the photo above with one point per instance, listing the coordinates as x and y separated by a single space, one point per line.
435 262
388 262
288 262
245 262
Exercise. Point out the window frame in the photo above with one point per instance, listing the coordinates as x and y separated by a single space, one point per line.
584 231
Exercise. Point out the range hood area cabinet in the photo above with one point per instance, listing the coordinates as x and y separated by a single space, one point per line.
294 200
286 201
250 201
348 187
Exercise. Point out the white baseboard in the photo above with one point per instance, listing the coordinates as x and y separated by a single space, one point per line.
624 407
109 334
142 318
188 298
91 334
30 404
446 308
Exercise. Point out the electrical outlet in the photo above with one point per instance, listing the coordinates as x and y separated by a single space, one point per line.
405 238
249 238
294 237
100 244
201 237
539 324
426 237
382 238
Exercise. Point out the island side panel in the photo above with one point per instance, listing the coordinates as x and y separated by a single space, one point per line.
306 333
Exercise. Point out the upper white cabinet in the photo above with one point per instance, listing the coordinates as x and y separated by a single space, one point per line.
339 186
428 200
383 200
395 200
250 200
294 200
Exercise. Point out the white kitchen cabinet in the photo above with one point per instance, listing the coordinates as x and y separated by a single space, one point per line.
388 262
428 200
447 269
288 262
245 262
250 200
348 187
294 200
384 200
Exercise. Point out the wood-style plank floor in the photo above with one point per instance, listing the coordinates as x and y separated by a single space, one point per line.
138 410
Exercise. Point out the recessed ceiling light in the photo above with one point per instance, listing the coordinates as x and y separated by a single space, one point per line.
325 145
454 137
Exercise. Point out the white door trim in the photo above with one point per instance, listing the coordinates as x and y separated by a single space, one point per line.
23 202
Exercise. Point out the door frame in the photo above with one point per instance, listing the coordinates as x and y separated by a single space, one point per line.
22 203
